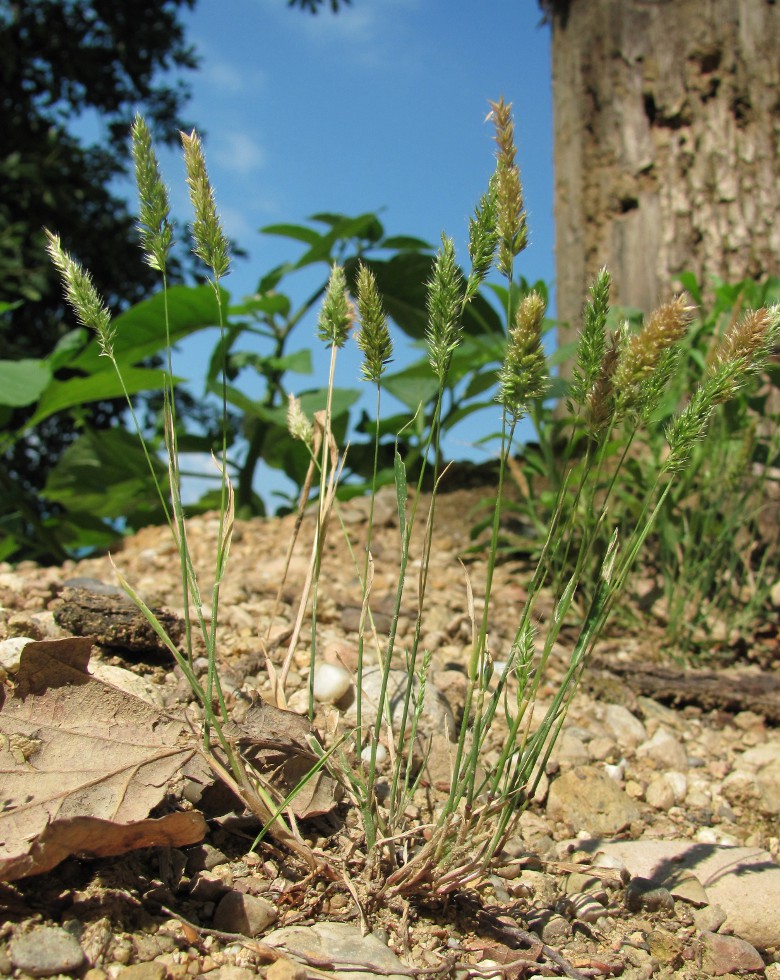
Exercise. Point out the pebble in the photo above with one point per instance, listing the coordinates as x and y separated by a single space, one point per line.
143 971
46 950
642 893
245 914
343 943
331 683
627 728
587 799
728 954
665 751
11 651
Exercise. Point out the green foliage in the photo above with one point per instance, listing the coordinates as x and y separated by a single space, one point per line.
64 60
713 545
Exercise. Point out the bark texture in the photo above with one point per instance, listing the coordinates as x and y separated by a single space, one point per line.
667 144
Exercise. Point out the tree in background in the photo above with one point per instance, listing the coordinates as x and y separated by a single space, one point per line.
666 129
68 67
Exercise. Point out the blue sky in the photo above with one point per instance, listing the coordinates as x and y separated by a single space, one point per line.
380 107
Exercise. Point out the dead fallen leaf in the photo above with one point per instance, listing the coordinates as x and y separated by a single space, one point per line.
275 742
82 764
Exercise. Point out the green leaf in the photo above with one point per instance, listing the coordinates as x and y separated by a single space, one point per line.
23 381
104 473
298 233
406 243
101 386
140 332
67 347
412 386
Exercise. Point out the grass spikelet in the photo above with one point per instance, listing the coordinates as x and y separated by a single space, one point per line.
523 376
592 345
644 352
210 244
154 209
373 338
600 399
80 292
445 304
749 341
511 225
337 313
483 237
298 424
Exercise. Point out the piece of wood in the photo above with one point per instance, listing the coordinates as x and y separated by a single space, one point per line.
725 691
114 621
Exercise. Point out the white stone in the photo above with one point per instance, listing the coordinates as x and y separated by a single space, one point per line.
331 683
11 651
627 728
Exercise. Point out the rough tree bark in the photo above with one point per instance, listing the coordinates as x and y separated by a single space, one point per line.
667 144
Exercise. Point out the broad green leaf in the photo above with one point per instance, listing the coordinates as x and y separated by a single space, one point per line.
96 387
406 243
67 348
412 386
298 233
140 332
23 381
104 473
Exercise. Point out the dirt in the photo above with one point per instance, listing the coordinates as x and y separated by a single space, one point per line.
157 905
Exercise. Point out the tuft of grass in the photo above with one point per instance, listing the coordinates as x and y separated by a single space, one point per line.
585 559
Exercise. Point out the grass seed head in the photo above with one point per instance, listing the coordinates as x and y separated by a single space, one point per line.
445 305
80 292
524 376
511 225
373 339
337 313
643 354
154 209
211 246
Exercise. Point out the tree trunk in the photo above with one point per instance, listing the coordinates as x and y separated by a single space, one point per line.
667 144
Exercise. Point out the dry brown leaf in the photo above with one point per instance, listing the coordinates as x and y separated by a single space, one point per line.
275 741
82 764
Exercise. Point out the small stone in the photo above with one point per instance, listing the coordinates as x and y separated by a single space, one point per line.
665 947
710 918
665 751
727 954
45 951
204 857
245 914
11 651
587 799
143 971
284 969
331 683
659 793
206 886
549 926
641 893
627 728
367 956
690 890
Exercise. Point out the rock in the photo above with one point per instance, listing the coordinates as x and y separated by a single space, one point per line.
768 782
570 750
128 682
11 651
690 890
743 881
46 950
587 799
246 914
709 919
340 944
143 971
331 683
665 751
436 718
627 728
659 793
727 954
284 969
643 893
203 857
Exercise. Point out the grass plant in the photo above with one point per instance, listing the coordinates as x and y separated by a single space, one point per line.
619 380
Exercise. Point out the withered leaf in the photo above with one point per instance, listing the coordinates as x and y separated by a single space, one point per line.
75 749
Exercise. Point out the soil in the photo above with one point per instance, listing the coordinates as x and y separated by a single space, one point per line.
143 907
